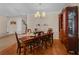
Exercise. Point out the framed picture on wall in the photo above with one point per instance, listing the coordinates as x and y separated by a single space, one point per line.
13 22
45 24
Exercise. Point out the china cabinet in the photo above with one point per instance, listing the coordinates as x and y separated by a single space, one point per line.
68 28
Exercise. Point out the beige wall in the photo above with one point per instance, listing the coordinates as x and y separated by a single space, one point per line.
3 25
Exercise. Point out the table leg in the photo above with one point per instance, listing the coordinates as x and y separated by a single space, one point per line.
24 49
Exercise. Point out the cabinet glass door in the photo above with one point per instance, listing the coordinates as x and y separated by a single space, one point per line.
71 23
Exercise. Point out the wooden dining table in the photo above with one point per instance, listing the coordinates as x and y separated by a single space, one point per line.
26 38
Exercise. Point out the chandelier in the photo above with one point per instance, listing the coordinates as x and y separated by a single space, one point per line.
39 14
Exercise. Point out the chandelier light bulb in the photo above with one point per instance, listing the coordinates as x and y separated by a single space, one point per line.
43 14
39 14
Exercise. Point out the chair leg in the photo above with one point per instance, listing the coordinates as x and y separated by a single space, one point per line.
45 44
25 50
41 44
19 51
30 48
52 41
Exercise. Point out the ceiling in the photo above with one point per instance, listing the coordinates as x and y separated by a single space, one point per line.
15 9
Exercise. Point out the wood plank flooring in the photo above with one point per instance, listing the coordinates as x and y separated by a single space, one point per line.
57 49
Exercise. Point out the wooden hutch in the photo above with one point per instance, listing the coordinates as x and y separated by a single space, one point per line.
68 28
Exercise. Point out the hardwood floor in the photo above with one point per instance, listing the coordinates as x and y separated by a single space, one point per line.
57 49
7 41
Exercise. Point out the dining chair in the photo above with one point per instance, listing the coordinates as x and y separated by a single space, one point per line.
36 43
43 41
19 44
50 39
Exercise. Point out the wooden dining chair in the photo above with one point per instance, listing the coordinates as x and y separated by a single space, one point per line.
19 44
50 39
43 41
36 43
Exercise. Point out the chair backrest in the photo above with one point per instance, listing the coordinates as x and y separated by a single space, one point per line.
18 42
49 30
29 30
50 35
40 33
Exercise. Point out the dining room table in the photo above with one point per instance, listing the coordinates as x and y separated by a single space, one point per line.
25 38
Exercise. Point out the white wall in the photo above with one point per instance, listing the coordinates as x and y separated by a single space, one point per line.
19 27
3 25
11 28
51 20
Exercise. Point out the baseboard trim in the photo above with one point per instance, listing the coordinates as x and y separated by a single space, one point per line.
5 35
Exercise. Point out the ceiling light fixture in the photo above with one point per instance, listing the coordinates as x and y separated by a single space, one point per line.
40 14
